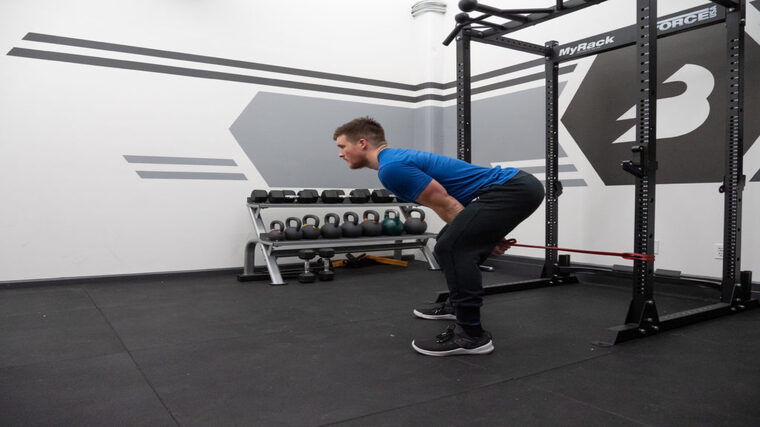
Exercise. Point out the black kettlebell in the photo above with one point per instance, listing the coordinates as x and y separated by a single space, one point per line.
392 226
415 225
277 231
371 226
293 232
310 231
331 230
351 228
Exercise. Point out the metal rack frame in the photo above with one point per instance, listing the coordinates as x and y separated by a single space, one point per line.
642 318
271 250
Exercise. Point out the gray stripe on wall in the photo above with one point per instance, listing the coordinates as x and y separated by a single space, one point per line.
542 169
513 82
113 47
159 160
756 177
192 175
507 70
205 74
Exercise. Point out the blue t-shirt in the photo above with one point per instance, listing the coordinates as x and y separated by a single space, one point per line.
407 172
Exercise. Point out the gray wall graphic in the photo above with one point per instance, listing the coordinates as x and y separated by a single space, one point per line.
184 163
98 61
608 92
505 128
289 138
509 127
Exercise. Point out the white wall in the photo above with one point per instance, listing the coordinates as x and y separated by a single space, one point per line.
72 205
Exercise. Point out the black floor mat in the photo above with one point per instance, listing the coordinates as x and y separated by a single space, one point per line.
207 349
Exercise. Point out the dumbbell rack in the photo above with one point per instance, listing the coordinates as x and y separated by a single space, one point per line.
271 250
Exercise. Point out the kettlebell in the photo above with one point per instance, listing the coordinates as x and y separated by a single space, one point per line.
351 228
331 230
277 231
371 227
392 226
293 232
310 231
415 225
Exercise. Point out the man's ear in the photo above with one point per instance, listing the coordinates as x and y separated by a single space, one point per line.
363 143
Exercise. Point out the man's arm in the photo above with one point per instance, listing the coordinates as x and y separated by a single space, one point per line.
436 198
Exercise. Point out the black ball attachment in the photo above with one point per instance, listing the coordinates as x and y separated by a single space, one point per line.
468 5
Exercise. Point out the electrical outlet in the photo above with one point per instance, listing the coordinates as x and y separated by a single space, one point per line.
656 247
719 251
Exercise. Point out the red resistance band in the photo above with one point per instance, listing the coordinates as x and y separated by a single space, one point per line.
624 255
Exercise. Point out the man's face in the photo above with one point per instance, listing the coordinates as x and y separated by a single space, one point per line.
352 152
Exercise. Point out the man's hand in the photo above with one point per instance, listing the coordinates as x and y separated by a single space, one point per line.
500 248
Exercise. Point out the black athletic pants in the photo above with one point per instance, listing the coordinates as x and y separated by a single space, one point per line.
469 239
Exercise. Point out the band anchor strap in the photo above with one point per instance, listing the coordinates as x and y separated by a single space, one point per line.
625 255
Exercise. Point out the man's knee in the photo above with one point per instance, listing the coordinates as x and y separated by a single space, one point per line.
443 248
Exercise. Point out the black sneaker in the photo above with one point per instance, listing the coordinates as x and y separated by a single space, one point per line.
454 341
436 311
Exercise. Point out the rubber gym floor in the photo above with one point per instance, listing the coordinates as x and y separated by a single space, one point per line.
204 349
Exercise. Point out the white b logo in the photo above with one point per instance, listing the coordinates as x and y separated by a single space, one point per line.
680 114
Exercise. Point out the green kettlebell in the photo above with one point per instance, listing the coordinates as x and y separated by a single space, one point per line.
392 225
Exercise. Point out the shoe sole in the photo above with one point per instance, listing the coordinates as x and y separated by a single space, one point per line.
434 317
483 349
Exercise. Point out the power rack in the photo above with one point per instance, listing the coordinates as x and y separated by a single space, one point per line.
642 318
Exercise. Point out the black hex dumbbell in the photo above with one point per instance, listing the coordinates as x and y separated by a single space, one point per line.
282 196
326 274
307 276
382 196
258 196
308 196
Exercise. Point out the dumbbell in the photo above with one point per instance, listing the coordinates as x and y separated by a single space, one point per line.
326 274
307 276
382 196
289 196
258 196
360 195
282 196
308 196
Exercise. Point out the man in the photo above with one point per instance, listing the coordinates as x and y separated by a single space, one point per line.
479 205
